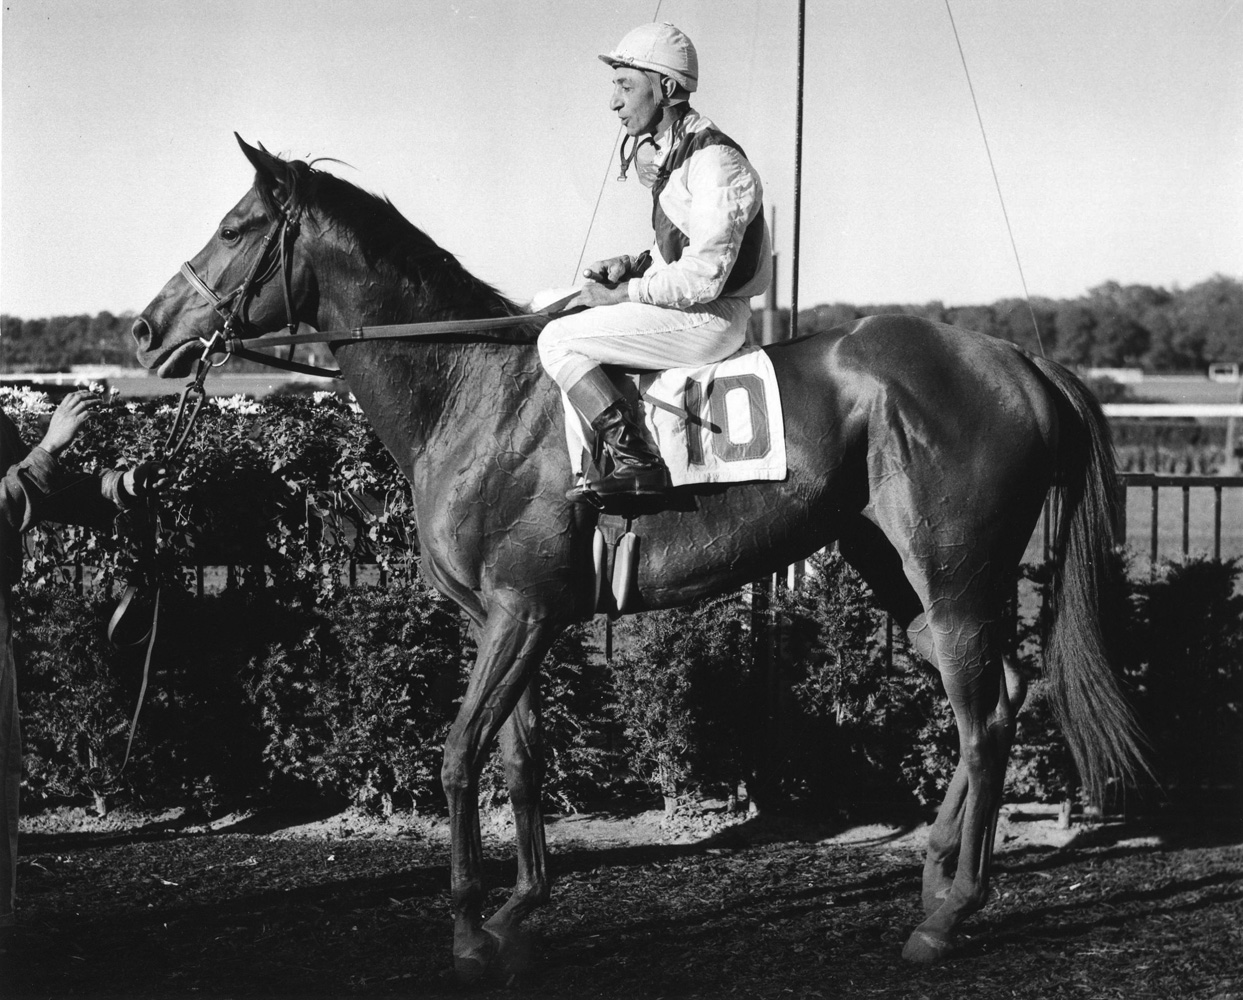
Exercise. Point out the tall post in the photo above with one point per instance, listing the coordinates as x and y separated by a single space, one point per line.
798 171
768 331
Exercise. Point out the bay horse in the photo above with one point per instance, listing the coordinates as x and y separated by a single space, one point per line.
925 451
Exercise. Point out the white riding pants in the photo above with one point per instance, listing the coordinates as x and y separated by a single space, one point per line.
638 335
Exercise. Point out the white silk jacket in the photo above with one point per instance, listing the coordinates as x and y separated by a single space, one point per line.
708 216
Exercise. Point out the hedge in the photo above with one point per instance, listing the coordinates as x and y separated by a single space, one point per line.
291 681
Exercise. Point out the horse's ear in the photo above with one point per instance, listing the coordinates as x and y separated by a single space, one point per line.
272 170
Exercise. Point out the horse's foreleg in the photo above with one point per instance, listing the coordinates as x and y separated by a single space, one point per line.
512 642
520 745
962 835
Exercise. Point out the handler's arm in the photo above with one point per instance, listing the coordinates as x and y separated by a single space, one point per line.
36 488
15 512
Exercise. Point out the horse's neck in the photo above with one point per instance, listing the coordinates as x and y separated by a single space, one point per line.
423 396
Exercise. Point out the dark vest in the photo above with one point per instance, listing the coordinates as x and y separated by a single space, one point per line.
672 241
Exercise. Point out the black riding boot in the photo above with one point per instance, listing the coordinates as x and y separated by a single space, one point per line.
637 469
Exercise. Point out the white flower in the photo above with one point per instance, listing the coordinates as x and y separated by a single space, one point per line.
242 405
23 399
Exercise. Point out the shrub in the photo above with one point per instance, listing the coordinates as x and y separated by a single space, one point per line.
1186 661
75 695
195 741
858 731
686 697
355 695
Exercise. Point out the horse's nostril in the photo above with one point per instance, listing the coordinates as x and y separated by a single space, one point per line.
141 331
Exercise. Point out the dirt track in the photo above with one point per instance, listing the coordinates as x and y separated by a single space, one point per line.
347 907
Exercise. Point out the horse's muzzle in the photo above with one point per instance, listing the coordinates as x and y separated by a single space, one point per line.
169 360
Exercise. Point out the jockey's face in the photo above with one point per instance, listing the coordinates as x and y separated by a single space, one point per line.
634 100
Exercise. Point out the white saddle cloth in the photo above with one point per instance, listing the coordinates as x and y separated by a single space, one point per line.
721 423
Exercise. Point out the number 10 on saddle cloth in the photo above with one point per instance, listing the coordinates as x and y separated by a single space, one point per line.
719 423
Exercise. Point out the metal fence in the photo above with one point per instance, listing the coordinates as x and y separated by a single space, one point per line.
1157 528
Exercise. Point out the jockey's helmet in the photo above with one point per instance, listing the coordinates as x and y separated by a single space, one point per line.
661 48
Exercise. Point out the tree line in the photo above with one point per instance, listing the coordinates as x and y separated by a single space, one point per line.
1112 325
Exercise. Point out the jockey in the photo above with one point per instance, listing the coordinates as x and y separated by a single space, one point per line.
686 300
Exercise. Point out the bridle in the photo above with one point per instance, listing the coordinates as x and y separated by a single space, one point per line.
232 307
232 310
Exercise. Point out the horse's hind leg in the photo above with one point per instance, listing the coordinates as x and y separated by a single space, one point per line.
984 707
945 837
957 644
520 747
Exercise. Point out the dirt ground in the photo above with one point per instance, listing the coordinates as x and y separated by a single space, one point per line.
708 904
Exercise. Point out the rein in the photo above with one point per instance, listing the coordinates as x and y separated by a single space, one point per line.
244 348
226 342
192 399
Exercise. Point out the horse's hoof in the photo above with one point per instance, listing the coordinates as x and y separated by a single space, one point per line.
473 964
927 949
515 948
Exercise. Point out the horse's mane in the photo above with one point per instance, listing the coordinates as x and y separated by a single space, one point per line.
390 242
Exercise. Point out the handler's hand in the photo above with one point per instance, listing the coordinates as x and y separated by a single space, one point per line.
74 411
145 480
611 271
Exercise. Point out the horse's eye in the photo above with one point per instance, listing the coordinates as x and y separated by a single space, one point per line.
229 235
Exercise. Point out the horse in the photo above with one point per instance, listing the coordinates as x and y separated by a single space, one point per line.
925 451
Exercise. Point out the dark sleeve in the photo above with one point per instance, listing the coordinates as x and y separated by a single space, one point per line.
35 488
14 500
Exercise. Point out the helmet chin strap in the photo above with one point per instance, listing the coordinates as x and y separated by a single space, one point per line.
663 101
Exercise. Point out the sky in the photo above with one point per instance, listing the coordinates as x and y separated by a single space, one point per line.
1115 127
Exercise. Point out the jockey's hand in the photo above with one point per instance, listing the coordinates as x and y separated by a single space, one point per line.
595 294
611 271
74 411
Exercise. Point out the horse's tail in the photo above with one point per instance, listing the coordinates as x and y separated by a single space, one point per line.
1087 700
